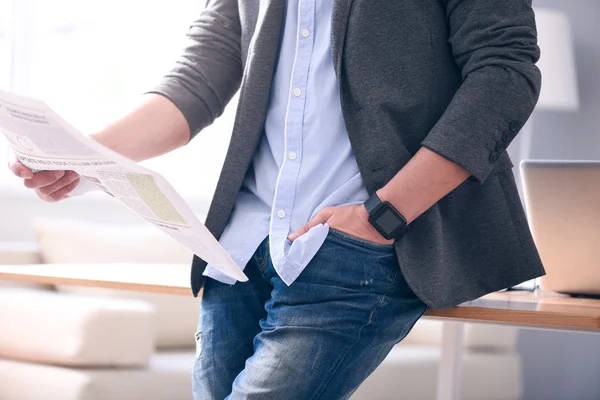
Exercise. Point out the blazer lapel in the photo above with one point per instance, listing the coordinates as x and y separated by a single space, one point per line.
339 23
251 112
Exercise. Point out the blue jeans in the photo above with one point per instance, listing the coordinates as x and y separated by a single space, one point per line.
319 338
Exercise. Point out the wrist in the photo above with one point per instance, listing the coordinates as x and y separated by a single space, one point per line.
95 137
102 138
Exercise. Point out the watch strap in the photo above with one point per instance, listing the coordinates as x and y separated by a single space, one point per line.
372 203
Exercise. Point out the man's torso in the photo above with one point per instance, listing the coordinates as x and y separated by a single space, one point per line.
304 161
401 69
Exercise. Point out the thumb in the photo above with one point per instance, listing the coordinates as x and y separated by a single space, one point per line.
19 169
320 218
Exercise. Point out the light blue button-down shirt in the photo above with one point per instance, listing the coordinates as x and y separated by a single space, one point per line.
304 161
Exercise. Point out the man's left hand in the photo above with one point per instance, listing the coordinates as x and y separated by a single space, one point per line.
352 219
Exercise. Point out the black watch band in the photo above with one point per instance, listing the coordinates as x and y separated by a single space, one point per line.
385 218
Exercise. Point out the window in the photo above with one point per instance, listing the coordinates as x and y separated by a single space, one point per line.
4 43
91 61
5 57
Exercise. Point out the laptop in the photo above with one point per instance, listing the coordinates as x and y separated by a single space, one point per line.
562 199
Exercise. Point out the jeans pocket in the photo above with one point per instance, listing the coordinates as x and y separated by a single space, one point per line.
360 243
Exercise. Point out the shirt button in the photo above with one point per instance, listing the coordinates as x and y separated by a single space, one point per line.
281 213
297 92
292 155
305 32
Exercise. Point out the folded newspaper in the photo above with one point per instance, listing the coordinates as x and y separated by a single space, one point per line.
42 140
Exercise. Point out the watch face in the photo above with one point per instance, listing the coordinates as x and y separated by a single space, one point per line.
388 221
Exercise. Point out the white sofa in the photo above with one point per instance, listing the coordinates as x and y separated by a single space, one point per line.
76 343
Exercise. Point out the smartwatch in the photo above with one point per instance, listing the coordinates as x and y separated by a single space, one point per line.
385 218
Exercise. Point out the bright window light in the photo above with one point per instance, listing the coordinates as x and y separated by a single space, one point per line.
92 60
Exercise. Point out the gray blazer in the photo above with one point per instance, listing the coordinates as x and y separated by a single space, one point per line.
455 76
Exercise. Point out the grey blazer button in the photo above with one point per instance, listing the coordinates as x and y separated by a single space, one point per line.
494 157
501 146
507 137
515 126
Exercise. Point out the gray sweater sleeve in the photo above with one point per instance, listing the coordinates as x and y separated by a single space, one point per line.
495 45
209 72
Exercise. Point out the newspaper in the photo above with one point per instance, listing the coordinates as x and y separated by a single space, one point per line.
42 140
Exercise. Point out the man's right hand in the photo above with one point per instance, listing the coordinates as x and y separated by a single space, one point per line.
154 128
50 186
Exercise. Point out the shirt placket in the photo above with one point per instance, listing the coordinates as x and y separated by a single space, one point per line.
287 181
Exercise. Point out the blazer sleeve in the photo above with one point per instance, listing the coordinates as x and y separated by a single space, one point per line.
494 43
209 72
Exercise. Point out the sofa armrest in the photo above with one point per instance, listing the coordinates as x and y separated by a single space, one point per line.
58 328
17 253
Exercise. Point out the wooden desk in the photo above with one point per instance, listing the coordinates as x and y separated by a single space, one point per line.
519 308
529 310
154 278
524 309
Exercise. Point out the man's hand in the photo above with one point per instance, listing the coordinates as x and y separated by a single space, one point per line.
353 220
50 186
155 127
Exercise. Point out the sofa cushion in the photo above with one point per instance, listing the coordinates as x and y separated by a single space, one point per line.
58 328
17 253
176 316
477 336
168 376
13 253
66 241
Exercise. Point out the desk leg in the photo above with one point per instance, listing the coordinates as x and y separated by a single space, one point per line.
450 369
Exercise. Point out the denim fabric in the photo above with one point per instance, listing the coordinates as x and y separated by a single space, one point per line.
316 339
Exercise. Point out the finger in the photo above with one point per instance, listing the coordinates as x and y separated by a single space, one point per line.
62 193
19 169
42 179
68 178
320 218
